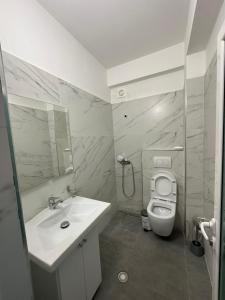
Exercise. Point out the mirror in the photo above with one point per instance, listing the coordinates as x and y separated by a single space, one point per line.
42 142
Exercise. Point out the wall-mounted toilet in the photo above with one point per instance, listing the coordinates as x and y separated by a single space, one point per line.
162 206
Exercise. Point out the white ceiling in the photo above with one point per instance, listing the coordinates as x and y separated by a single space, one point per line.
205 17
117 31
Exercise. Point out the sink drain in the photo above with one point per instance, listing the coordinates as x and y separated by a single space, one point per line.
65 224
123 277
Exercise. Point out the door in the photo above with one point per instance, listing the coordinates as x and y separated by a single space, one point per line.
219 202
222 236
217 224
92 264
15 279
71 277
221 213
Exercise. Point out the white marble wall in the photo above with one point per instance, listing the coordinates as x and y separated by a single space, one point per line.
194 151
209 148
209 138
152 122
53 148
92 142
32 145
62 140
14 270
28 81
91 134
200 150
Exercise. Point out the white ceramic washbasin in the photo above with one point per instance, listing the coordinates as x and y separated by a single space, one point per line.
48 243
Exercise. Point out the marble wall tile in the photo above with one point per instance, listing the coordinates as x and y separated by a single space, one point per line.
209 138
209 149
195 105
177 169
131 146
94 176
194 151
62 140
2 110
53 148
131 117
133 204
167 129
159 118
94 167
8 201
89 116
13 256
33 155
91 134
14 269
156 121
35 200
92 143
6 173
27 80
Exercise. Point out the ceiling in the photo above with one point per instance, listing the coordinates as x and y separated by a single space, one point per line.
205 17
117 31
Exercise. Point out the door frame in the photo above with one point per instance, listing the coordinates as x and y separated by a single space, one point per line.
219 148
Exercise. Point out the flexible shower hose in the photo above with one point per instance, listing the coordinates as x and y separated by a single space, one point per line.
123 179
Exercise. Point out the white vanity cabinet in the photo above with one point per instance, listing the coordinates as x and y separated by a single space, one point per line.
65 262
80 274
71 277
92 264
76 278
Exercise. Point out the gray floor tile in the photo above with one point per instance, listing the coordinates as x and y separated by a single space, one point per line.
198 278
158 268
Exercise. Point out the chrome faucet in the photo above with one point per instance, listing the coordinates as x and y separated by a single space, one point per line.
53 202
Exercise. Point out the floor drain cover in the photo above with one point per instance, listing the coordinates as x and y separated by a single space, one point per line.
123 277
65 224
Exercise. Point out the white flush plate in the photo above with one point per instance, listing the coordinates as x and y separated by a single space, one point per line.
164 162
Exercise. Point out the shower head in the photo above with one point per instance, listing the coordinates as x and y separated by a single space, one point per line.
121 158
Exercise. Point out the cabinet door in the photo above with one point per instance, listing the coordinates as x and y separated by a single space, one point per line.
92 264
71 277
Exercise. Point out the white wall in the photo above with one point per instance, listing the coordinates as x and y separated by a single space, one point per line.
191 15
32 34
161 61
168 82
212 44
196 65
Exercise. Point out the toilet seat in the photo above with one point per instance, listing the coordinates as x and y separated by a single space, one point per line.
161 209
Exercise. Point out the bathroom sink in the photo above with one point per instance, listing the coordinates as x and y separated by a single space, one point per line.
52 233
81 209
74 212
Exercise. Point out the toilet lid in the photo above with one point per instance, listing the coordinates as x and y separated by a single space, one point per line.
164 186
